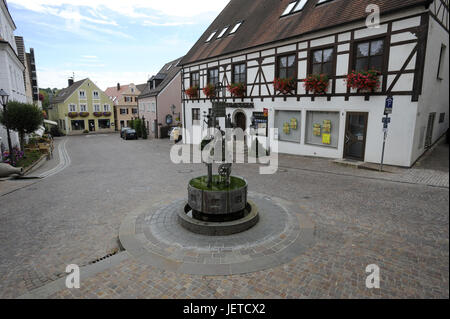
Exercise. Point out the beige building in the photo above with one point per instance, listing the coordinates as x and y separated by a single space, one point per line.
125 100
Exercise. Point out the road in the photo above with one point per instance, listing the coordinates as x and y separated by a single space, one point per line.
73 217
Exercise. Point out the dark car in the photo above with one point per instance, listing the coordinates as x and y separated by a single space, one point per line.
122 131
130 134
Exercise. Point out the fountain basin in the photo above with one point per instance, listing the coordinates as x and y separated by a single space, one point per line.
217 200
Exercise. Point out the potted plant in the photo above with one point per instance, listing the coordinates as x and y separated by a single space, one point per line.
284 85
192 92
364 81
317 83
106 113
237 89
73 114
98 114
84 114
210 91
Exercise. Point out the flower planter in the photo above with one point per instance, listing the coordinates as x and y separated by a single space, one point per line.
84 114
284 85
192 92
317 84
106 113
237 89
73 114
364 81
210 91
98 114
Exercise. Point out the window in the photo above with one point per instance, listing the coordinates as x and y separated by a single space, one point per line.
236 27
96 107
132 90
123 111
288 125
286 67
128 99
322 128
195 79
83 108
442 59
134 111
95 94
213 76
82 94
223 32
106 108
211 36
195 116
72 107
322 61
442 118
240 73
78 125
369 55
104 124
294 7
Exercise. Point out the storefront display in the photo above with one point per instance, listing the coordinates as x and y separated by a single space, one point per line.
322 128
288 125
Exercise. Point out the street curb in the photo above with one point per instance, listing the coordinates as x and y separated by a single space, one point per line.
36 165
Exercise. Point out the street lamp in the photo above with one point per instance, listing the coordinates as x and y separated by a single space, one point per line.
4 98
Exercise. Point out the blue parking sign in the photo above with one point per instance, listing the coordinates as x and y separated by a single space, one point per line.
389 105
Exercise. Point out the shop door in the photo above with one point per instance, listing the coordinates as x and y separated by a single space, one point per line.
355 135
241 121
91 125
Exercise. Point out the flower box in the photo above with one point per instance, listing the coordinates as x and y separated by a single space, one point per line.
209 91
73 114
192 92
106 113
284 85
317 83
84 114
98 114
364 81
237 89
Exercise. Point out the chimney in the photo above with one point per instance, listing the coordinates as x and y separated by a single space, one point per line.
70 82
118 86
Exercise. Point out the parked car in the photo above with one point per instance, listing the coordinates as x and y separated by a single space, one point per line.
130 134
175 134
122 131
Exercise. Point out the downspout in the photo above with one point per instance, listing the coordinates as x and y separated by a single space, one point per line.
157 122
184 106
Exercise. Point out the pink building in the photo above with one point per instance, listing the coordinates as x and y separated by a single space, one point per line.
160 100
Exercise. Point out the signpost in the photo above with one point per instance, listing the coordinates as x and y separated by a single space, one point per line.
386 120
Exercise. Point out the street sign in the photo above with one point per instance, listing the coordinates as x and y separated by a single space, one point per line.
386 120
389 105
266 112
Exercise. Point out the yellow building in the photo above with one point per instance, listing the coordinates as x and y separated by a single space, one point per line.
82 107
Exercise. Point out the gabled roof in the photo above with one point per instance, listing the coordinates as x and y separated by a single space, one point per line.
141 87
115 94
64 94
263 24
166 74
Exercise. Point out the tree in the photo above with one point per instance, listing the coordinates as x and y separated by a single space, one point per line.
23 118
138 127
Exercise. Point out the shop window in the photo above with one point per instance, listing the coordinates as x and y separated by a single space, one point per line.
78 125
288 125
104 124
322 128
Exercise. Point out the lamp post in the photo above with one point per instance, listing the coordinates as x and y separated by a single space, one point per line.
4 98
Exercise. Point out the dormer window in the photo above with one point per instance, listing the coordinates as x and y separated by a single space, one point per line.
211 36
236 27
222 32
294 7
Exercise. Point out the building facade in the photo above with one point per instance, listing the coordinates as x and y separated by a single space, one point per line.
296 62
29 74
11 68
160 100
82 107
125 101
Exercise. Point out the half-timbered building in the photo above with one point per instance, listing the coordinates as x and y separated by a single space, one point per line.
321 71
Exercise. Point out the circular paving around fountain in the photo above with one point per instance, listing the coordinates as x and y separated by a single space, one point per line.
155 237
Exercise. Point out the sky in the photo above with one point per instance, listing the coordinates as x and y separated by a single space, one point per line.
109 41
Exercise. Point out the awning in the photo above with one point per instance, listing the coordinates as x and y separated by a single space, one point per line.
50 122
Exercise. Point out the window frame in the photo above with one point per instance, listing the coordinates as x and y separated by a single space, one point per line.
192 115
209 75
441 65
333 60
233 72
192 81
370 40
283 55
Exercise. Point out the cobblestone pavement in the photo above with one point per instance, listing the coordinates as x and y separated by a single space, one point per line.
361 218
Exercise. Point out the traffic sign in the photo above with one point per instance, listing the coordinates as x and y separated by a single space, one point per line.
386 120
389 105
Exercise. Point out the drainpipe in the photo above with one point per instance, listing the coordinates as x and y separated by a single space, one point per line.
184 106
